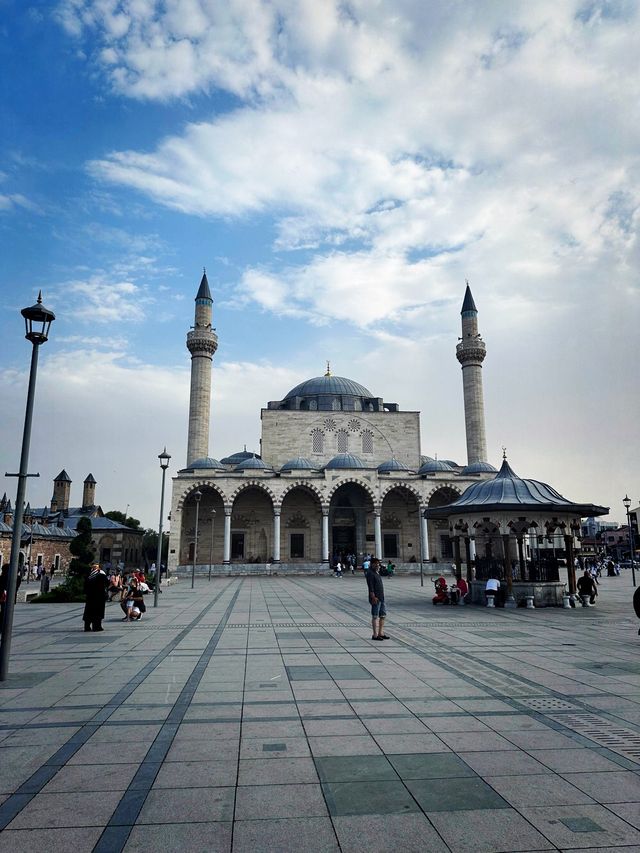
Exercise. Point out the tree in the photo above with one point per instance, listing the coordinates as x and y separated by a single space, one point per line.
150 546
82 549
127 520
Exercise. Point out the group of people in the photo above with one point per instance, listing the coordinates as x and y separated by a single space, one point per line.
130 589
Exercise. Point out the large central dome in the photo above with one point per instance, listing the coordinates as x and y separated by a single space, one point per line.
335 386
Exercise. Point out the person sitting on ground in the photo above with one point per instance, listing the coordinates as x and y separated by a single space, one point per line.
463 586
586 586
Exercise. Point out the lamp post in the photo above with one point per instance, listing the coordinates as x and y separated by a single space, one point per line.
37 320
164 458
213 521
197 498
627 505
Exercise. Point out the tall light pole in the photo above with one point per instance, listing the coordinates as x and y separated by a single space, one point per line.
37 320
213 521
627 505
164 464
197 496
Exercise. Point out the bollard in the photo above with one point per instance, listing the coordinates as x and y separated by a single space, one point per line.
585 600
491 601
566 603
530 605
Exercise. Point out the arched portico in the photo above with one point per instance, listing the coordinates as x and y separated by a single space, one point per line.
440 543
301 526
251 528
400 522
210 517
353 523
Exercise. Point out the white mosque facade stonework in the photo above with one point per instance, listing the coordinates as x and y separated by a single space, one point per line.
339 472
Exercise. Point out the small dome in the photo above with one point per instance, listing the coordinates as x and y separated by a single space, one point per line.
424 459
345 460
207 462
240 456
391 465
479 468
434 467
300 463
451 462
254 462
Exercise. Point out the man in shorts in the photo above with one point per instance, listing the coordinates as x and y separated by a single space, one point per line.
376 599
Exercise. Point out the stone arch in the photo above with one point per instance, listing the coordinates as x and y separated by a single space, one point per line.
408 487
401 531
201 484
366 486
301 484
256 484
301 524
453 491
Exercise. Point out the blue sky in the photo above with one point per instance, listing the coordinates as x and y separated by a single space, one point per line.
340 169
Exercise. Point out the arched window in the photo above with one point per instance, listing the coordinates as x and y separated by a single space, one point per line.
367 441
313 405
342 441
335 404
317 441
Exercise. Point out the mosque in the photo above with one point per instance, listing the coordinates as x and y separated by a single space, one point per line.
339 472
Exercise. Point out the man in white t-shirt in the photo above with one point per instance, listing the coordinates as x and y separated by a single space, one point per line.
491 588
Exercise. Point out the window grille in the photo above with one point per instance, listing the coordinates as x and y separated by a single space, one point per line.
367 441
342 441
317 441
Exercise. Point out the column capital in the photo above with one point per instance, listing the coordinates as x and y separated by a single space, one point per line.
228 510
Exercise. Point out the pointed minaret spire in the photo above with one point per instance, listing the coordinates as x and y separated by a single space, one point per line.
471 352
328 373
202 342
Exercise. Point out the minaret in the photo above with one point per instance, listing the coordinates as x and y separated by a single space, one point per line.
89 492
62 491
470 353
202 342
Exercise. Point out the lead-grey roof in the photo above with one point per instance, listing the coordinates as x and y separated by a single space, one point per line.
391 465
329 385
507 491
207 462
300 463
468 303
434 467
62 476
479 468
203 290
254 462
346 460
239 457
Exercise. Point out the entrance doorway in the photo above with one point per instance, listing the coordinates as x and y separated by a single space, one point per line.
344 541
350 521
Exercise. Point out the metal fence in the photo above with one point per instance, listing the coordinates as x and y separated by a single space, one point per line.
543 569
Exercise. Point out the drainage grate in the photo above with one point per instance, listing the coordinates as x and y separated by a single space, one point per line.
546 703
618 739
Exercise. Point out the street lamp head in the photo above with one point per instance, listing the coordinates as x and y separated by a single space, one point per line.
37 321
627 502
197 496
164 458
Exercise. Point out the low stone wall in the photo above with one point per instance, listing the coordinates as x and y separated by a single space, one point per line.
544 594
234 569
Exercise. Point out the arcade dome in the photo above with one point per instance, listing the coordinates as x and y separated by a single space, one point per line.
345 460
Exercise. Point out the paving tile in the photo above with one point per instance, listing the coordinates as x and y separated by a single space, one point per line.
355 768
196 838
286 771
532 790
627 811
311 834
439 765
396 726
211 750
73 810
349 798
503 763
273 728
541 740
409 833
454 794
615 787
79 777
197 774
100 753
297 747
344 745
489 831
574 760
459 723
513 723
307 673
475 742
263 802
187 805
49 840
411 743
334 727
613 831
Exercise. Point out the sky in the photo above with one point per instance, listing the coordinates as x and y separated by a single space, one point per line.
340 169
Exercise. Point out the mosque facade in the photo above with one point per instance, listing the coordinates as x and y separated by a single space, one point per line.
339 471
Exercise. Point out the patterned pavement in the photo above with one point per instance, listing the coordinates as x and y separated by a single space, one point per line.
256 714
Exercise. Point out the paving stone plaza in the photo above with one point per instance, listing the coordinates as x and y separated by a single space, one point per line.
256 714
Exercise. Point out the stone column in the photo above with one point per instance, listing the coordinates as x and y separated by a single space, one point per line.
276 536
425 537
377 528
456 557
571 568
521 560
510 600
227 536
467 554
325 536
